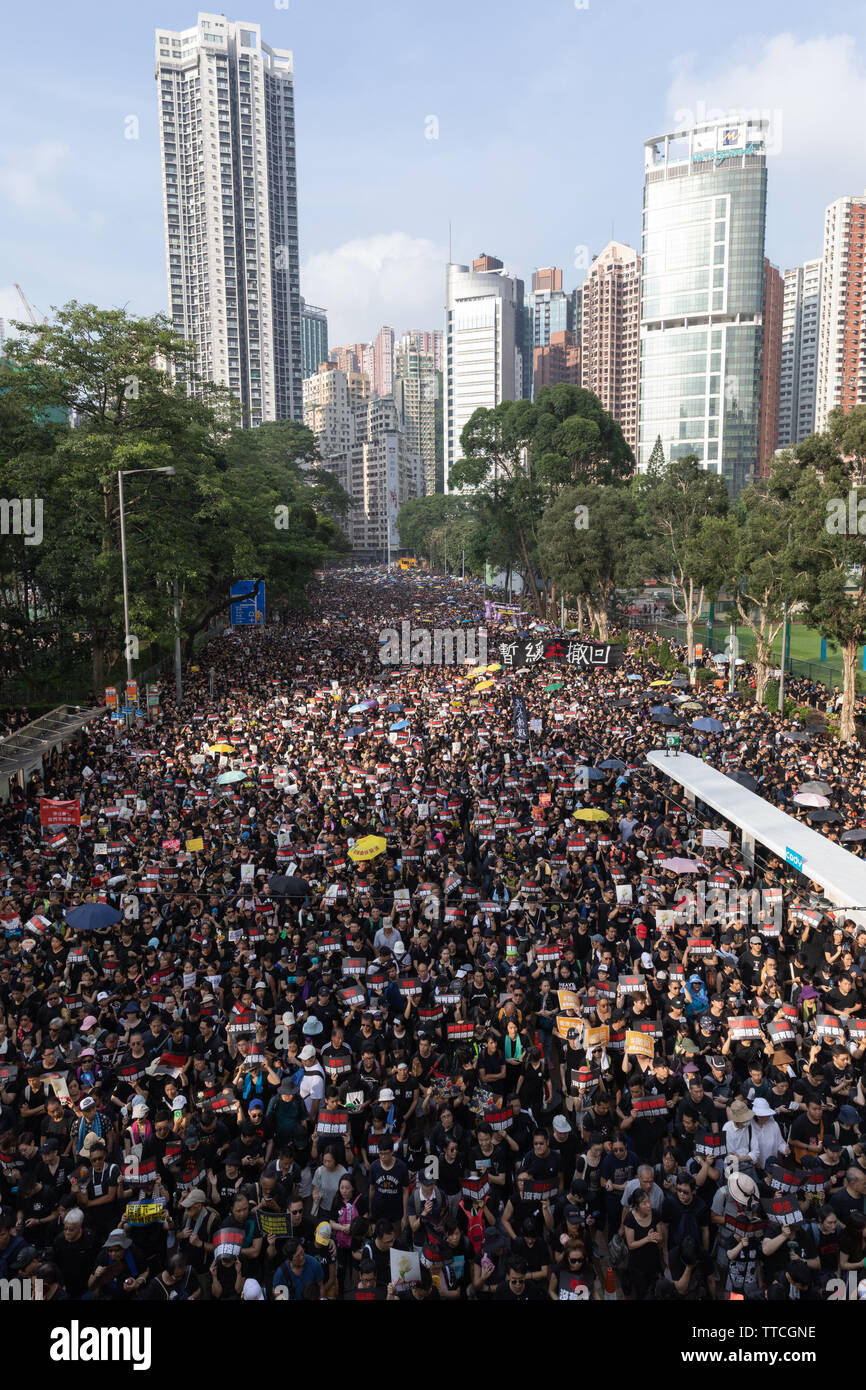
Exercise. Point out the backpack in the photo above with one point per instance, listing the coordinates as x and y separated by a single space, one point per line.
474 1229
617 1250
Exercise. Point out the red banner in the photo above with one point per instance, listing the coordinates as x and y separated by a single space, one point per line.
53 812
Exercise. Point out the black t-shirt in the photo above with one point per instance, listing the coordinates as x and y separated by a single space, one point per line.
386 1189
75 1260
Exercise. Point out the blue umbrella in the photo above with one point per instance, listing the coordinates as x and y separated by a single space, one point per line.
707 725
661 709
634 678
395 709
226 778
400 724
353 733
592 774
357 709
612 762
92 917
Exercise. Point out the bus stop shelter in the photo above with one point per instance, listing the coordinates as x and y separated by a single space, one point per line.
840 874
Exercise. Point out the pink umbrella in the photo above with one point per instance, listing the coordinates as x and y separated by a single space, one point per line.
811 799
683 866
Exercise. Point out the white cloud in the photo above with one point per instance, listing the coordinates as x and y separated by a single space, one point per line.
28 179
814 94
389 278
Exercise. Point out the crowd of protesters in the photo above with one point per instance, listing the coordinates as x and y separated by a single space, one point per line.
495 1053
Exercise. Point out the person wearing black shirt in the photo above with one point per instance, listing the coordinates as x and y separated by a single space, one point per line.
74 1252
515 1288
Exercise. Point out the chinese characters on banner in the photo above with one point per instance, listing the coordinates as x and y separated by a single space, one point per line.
559 652
54 812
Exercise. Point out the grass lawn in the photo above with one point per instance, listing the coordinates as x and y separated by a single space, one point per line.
805 642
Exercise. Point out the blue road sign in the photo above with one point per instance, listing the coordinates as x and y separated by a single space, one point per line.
248 603
793 858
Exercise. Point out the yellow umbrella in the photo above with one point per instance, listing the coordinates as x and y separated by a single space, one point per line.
495 666
482 670
367 848
592 813
654 685
485 685
221 748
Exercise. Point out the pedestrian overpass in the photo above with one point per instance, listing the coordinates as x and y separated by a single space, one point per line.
840 874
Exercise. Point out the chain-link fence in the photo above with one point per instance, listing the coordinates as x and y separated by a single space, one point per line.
828 673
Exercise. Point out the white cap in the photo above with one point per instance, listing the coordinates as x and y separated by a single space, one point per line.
646 961
307 1053
178 1103
386 1094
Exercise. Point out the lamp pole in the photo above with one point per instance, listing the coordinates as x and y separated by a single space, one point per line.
121 474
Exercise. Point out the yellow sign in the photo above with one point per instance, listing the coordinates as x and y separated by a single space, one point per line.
367 848
567 1027
194 845
639 1044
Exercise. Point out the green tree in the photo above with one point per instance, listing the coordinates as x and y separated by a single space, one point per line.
589 562
830 550
657 457
675 502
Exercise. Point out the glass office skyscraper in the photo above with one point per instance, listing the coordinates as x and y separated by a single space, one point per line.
705 196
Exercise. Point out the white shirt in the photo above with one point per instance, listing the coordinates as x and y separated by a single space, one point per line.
741 1141
312 1087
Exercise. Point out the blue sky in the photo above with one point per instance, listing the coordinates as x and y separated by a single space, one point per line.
542 112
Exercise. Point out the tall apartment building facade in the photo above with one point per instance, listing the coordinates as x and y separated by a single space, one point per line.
330 398
314 338
549 311
484 344
415 395
383 371
556 363
363 442
704 215
798 373
429 344
227 140
610 334
771 366
842 330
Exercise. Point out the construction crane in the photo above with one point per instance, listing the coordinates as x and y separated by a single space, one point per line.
30 314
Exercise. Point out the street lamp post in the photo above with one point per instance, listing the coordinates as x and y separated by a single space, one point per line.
125 473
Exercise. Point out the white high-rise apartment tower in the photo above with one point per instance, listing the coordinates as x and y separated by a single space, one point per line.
798 374
842 330
227 131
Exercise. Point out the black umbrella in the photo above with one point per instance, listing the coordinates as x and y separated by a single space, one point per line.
800 735
679 681
613 763
851 836
284 886
669 720
745 779
825 816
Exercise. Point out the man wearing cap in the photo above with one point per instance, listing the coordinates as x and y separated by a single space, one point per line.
195 1234
312 1087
